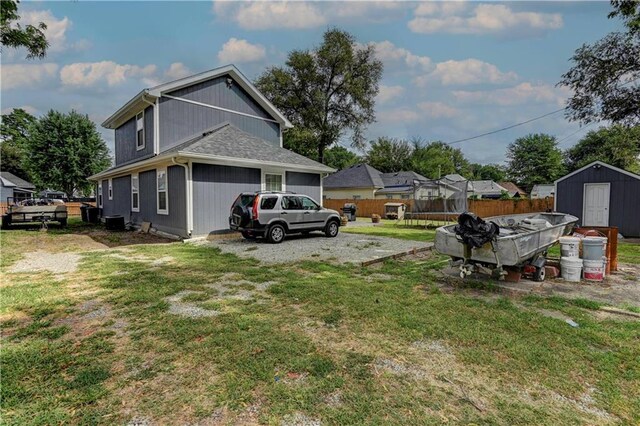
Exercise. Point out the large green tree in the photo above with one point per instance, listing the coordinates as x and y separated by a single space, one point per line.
605 76
64 150
389 155
340 157
494 172
15 35
327 92
534 159
616 145
14 135
437 159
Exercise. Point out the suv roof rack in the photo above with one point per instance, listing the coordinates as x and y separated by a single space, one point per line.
274 192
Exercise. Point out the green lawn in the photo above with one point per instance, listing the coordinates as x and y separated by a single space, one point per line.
393 229
342 344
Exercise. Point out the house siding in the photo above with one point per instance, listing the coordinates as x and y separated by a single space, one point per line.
304 183
181 121
214 190
5 192
125 139
174 223
624 197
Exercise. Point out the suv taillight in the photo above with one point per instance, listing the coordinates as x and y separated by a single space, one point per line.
256 200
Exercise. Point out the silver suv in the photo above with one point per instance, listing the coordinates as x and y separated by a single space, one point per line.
275 214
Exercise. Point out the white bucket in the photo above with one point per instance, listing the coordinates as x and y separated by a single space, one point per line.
593 248
593 270
569 246
571 268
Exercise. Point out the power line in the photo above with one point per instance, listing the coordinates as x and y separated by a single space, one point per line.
577 131
506 128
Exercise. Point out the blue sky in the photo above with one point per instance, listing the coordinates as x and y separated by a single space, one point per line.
452 69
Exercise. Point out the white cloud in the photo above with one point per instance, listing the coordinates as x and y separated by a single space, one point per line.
438 110
241 51
388 93
28 108
391 55
176 71
89 74
448 17
468 71
264 15
56 32
26 75
399 115
523 93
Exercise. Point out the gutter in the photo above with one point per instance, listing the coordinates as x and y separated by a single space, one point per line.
188 193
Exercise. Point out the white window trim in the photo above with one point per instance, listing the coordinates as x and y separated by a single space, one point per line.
110 189
100 194
166 190
266 172
144 136
135 209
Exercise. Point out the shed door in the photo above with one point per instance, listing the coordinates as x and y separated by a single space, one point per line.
596 204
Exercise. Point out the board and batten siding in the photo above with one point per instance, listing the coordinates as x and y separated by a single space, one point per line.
215 188
174 223
181 121
125 139
304 183
624 197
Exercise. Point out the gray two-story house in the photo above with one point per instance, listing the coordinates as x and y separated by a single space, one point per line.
184 150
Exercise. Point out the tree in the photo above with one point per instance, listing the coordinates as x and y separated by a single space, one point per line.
616 145
389 155
534 159
14 35
64 150
605 76
494 172
14 133
327 91
340 157
437 159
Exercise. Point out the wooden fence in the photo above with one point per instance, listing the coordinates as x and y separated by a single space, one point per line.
73 208
483 208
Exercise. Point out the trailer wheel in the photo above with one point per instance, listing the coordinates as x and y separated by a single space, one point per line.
6 221
539 274
63 223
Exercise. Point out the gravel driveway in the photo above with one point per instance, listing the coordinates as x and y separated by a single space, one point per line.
345 248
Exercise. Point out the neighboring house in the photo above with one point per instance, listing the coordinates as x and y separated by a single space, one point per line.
50 193
184 150
357 182
401 185
601 195
542 191
514 190
15 187
484 189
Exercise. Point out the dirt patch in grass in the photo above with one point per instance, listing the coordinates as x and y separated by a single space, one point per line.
39 261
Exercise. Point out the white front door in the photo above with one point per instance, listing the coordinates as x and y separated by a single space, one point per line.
596 204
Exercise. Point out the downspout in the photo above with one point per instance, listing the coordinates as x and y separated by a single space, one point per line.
188 195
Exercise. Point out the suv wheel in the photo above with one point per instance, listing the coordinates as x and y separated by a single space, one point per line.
332 228
276 233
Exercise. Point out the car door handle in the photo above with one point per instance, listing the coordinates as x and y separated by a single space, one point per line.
284 213
307 212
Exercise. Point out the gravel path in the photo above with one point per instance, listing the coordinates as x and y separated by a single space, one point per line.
345 248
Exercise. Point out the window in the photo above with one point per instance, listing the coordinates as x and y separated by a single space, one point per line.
389 196
272 182
135 193
308 204
291 203
161 185
140 131
110 193
268 203
100 194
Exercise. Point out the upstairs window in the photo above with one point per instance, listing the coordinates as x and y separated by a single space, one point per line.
100 194
163 200
135 193
110 193
140 131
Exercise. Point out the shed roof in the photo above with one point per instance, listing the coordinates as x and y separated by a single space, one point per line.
601 164
358 176
11 180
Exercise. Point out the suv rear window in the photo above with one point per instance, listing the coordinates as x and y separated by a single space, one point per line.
268 203
244 200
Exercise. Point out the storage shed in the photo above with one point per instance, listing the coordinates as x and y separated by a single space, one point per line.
600 194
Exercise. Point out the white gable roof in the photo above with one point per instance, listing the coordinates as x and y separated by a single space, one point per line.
602 164
146 96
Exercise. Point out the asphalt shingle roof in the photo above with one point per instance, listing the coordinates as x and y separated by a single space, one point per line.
401 178
512 188
358 176
485 187
229 141
16 181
